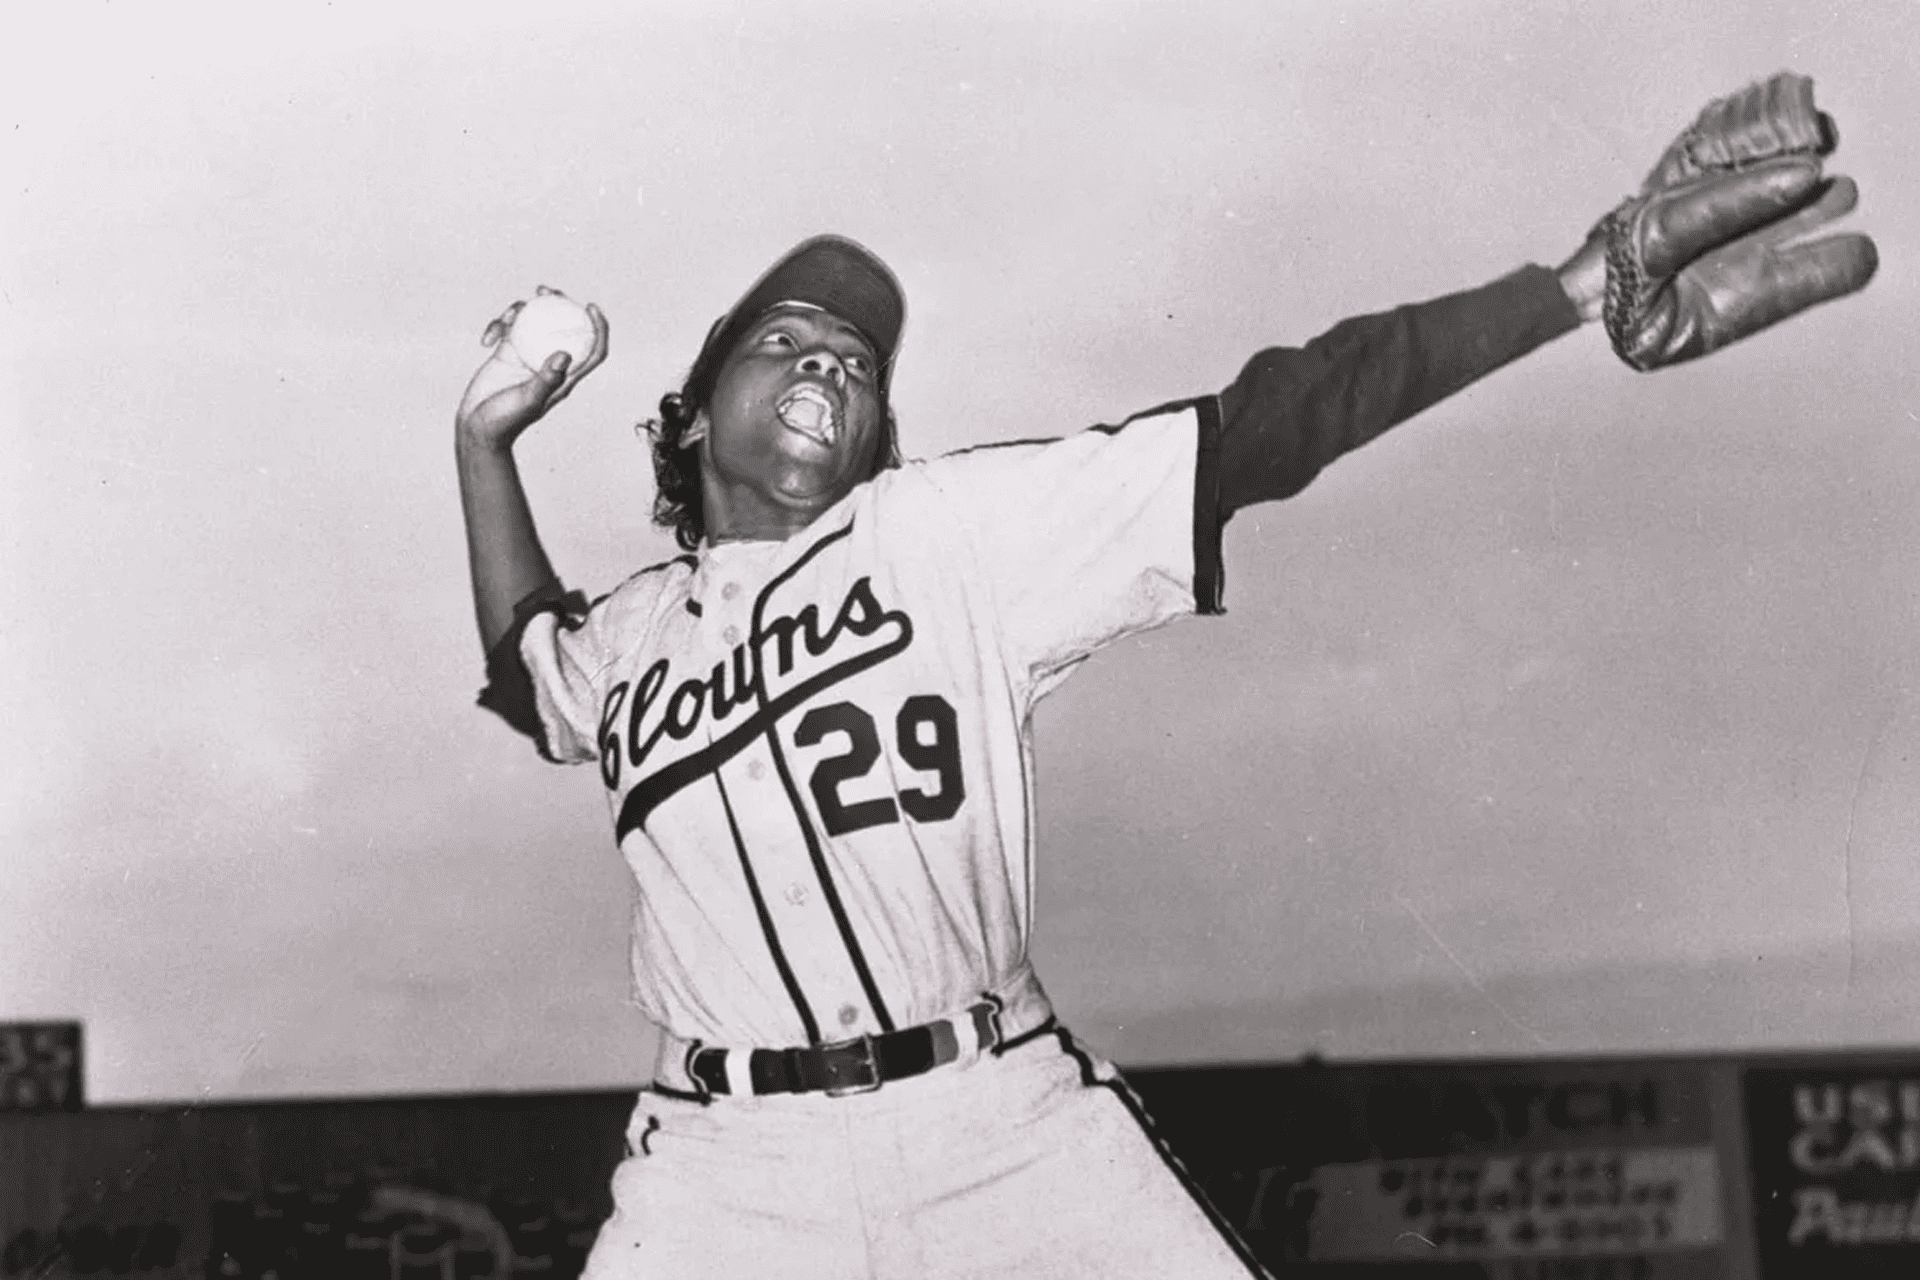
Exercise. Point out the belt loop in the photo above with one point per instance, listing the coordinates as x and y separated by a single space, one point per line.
699 1085
986 1022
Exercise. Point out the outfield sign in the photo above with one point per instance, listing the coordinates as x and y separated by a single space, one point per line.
1835 1156
40 1067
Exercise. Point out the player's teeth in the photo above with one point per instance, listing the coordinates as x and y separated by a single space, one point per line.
809 414
804 413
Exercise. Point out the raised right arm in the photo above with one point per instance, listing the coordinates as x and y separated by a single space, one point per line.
504 556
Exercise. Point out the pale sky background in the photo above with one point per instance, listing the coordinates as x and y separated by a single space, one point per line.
1577 716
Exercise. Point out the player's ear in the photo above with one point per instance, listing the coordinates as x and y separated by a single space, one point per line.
696 430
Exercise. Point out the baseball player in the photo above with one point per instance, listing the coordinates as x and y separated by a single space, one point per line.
814 726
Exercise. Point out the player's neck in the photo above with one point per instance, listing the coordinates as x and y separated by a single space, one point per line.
744 513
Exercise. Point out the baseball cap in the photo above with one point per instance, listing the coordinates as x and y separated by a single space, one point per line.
831 272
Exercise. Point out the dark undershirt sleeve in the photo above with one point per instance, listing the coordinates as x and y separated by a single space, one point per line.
509 690
1293 410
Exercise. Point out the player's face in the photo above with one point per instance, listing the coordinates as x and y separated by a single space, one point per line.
792 426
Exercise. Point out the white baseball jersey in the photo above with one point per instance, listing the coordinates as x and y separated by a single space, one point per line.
817 752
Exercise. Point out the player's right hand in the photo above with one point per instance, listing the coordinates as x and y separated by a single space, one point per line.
498 417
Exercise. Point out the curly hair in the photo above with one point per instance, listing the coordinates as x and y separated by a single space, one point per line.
678 503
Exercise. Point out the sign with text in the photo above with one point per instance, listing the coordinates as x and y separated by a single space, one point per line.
1564 1203
1835 1157
40 1067
1597 1168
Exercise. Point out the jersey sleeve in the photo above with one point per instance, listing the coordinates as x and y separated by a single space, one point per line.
1117 529
545 676
1088 538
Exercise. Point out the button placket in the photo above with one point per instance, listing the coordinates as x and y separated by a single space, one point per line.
726 613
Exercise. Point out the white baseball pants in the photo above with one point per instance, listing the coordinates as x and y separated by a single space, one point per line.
1034 1163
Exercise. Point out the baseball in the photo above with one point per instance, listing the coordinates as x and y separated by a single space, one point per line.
551 322
546 323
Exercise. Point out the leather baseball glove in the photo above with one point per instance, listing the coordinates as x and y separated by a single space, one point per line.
1725 238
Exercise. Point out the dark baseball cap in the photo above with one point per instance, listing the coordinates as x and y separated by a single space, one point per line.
831 272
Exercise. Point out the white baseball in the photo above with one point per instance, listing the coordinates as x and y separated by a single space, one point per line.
551 322
546 323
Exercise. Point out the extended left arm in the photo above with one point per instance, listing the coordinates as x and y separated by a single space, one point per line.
1695 268
1729 235
1294 410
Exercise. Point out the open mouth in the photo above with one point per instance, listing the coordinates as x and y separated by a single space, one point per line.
807 410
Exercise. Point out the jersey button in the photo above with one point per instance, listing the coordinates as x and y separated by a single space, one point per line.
731 635
848 1015
756 770
796 893
729 590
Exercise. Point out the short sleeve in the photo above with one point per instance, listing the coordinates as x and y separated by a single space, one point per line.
1088 538
546 676
565 656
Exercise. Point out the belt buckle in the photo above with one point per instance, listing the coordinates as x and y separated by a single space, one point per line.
869 1055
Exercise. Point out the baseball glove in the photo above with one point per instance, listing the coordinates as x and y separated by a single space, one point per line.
1697 266
1722 239
1764 121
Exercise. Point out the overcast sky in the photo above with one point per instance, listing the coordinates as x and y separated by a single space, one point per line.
1577 715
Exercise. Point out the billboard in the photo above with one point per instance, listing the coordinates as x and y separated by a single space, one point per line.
1573 1170
1834 1147
40 1066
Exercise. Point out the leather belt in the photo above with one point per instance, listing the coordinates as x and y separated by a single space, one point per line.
860 1065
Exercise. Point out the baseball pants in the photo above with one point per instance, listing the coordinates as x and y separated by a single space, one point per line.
1032 1163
